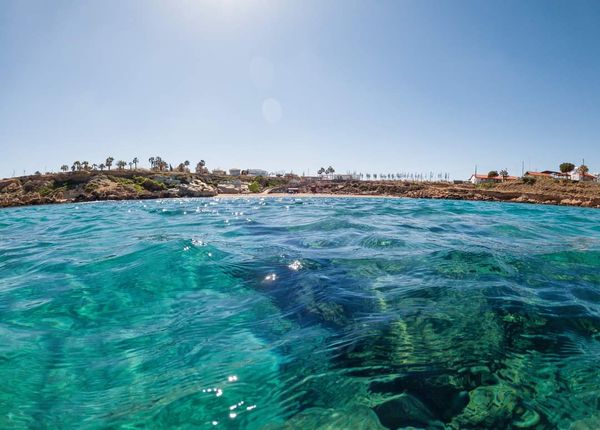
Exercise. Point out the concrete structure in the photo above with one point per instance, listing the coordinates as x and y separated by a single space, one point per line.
219 172
257 172
235 172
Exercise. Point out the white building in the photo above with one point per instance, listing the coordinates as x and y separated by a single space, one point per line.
235 172
485 179
583 177
257 172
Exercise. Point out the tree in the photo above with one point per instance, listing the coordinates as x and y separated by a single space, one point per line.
151 160
320 171
200 167
121 164
85 165
135 162
504 174
186 163
583 169
109 162
130 165
64 167
567 167
101 166
330 170
77 165
94 166
493 174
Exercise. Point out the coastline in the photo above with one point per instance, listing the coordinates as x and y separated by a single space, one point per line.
79 187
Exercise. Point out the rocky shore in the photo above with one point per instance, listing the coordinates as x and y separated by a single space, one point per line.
132 185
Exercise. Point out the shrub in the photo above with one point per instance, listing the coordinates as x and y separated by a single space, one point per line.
529 180
149 184
254 187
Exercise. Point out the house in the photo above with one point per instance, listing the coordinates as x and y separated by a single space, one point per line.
557 175
538 174
219 172
583 177
235 172
477 179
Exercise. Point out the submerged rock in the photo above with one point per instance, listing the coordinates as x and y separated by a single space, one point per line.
355 418
591 423
488 407
404 410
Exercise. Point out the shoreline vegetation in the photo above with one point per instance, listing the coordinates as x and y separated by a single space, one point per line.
82 186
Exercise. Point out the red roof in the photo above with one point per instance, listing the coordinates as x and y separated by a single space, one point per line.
499 178
537 174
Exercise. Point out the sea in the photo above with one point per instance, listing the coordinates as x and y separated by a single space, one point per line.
299 313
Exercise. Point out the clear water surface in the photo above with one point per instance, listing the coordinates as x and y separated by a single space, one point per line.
295 313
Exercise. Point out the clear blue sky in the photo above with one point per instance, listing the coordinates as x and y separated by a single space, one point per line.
383 86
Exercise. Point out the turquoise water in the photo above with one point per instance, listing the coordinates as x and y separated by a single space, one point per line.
299 314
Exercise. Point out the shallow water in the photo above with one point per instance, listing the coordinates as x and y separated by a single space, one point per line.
298 314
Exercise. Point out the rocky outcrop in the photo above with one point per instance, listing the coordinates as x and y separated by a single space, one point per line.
196 188
228 189
90 186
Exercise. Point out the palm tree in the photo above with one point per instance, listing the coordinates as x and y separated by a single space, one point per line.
151 160
64 167
135 162
583 169
85 165
159 164
130 165
101 166
504 174
200 166
109 162
94 166
77 165
320 171
186 163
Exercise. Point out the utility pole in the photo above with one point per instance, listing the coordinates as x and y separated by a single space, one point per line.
522 168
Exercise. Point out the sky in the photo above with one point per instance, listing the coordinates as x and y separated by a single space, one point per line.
365 86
